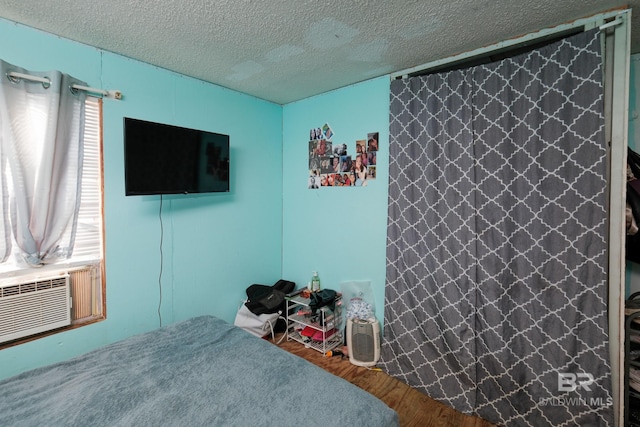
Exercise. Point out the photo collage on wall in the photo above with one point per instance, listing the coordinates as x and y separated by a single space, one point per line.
331 164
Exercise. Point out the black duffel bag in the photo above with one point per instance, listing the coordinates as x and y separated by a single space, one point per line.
263 299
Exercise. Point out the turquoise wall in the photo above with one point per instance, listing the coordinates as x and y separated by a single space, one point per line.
214 245
341 231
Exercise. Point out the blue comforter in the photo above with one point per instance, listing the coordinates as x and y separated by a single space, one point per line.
200 372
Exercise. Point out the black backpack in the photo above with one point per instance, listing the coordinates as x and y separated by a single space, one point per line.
263 299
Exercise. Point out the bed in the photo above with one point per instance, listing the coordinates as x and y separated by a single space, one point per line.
199 372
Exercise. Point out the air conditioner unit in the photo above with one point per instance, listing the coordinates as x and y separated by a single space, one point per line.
31 307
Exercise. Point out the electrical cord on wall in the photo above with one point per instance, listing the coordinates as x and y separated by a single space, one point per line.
161 262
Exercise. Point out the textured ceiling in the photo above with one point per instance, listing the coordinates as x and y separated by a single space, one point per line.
286 50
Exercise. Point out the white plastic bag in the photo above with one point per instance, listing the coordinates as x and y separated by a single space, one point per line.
256 324
358 298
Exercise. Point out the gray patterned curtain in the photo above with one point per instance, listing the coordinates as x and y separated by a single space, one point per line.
496 295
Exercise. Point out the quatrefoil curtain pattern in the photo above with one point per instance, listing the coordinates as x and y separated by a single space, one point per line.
496 242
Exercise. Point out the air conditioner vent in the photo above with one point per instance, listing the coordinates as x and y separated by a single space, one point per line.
23 288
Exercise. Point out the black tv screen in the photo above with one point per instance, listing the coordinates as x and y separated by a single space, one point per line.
165 159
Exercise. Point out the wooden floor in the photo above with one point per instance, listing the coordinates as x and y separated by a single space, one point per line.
413 407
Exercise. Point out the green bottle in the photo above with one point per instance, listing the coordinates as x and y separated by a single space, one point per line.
315 282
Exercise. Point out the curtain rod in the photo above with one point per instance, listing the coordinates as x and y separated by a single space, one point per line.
114 94
617 17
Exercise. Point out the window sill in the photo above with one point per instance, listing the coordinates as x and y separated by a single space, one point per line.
74 325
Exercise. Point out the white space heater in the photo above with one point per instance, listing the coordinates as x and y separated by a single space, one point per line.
31 307
363 341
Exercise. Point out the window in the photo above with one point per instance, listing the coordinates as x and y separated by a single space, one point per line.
85 268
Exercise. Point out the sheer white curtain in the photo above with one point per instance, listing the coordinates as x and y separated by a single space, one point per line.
41 130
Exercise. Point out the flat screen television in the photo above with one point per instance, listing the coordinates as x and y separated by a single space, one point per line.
165 159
